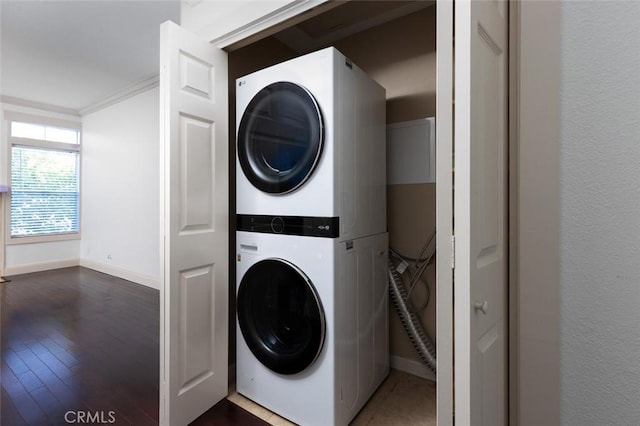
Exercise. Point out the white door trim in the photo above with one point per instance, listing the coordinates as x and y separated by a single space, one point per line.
513 206
444 212
269 24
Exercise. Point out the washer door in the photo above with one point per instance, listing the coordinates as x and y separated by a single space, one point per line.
280 316
280 138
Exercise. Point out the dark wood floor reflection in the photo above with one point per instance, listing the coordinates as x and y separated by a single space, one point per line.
77 341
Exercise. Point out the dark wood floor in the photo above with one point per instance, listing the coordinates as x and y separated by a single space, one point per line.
75 340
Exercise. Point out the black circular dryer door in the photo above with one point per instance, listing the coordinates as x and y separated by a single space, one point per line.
280 138
280 316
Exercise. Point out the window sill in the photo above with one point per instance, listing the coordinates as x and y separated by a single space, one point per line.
42 239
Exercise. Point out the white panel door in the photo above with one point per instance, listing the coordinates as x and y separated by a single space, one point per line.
480 212
194 197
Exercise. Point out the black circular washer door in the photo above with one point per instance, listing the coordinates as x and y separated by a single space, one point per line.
280 138
280 316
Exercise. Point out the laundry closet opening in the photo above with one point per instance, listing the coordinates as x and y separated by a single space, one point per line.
394 42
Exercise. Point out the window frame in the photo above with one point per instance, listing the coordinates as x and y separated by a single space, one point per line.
12 141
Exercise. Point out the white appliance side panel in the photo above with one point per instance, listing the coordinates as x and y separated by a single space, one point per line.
361 153
309 397
380 309
345 147
374 116
362 308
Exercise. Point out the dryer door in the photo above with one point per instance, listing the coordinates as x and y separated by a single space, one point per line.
280 316
280 138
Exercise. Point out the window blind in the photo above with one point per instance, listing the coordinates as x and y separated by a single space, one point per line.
44 191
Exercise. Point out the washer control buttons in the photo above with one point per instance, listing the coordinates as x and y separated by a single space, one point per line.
277 225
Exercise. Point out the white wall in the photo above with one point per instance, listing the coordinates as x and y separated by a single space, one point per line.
578 223
23 258
600 213
120 189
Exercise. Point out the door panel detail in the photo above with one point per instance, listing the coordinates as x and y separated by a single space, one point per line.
197 139
196 76
489 110
490 354
197 299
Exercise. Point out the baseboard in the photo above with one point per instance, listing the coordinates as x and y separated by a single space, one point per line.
412 367
125 274
40 266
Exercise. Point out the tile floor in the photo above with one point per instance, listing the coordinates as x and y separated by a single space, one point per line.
402 399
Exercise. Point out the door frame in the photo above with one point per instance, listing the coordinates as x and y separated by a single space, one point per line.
513 152
296 12
285 17
444 214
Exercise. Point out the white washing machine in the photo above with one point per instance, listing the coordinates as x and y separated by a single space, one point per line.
312 332
311 143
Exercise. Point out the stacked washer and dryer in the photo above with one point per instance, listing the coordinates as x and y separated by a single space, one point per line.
312 304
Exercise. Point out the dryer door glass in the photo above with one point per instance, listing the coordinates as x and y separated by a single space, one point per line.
280 316
280 138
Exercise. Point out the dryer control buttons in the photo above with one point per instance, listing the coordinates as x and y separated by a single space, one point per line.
327 227
277 225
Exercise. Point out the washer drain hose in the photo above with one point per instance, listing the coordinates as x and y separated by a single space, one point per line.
410 320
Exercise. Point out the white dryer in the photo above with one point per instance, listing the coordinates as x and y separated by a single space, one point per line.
312 332
311 143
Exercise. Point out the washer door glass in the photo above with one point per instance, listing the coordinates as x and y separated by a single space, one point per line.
280 138
280 316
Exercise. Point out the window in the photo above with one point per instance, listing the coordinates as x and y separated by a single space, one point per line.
45 181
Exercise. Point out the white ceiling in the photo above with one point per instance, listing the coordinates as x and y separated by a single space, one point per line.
76 53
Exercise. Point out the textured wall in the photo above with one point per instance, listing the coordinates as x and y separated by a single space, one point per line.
599 208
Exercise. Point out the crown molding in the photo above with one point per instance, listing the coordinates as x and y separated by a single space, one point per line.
125 93
38 105
119 96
